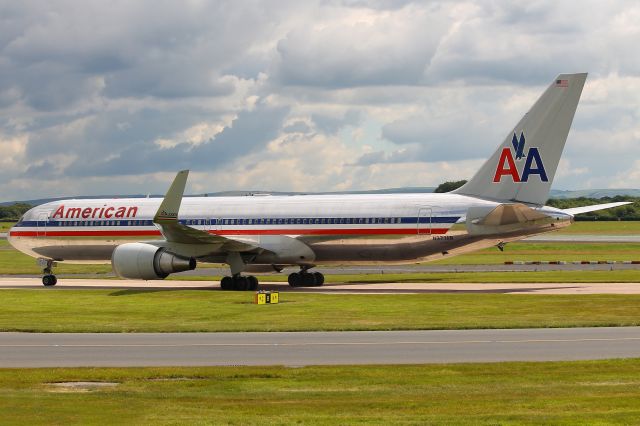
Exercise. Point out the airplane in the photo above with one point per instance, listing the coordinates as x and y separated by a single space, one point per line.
151 238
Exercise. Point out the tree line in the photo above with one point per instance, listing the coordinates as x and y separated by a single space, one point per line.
14 211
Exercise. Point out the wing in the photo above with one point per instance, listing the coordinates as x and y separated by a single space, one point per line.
175 232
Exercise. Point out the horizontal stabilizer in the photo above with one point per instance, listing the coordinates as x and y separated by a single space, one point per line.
503 218
586 209
509 214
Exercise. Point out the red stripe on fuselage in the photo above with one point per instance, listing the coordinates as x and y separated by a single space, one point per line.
146 233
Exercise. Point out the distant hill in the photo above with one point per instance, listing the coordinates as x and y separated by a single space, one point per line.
555 193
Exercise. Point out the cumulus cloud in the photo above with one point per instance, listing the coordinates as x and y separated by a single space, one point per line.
311 96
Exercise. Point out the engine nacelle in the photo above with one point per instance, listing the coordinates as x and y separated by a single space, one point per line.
140 261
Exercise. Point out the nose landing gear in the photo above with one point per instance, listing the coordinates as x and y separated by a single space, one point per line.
48 280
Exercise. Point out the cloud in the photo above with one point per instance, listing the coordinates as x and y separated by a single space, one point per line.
359 47
251 130
312 96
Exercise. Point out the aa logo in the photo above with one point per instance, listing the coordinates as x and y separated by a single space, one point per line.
507 164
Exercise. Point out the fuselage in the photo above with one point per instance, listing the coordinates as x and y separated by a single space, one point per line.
338 228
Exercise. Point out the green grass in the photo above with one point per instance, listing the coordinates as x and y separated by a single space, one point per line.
547 251
51 310
5 226
12 262
603 227
582 392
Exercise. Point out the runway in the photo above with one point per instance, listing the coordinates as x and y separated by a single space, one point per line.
317 348
335 288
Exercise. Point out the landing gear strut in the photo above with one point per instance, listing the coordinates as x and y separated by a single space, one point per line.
48 280
239 283
306 279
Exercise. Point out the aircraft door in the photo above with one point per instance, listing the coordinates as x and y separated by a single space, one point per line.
424 220
41 224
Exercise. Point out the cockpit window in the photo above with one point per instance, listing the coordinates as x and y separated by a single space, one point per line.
21 220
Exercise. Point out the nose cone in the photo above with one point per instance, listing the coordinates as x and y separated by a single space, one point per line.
10 238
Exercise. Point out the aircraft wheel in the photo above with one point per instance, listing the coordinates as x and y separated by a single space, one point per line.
253 283
226 283
319 278
241 283
49 280
309 280
294 279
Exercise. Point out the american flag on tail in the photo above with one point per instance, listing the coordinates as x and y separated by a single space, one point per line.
562 83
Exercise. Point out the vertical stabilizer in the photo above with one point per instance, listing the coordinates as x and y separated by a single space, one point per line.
524 165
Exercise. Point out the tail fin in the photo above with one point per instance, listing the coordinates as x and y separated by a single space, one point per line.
523 167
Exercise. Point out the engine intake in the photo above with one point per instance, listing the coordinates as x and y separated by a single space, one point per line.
140 261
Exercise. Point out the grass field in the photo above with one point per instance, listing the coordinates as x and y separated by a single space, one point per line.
201 310
4 226
584 392
594 228
603 228
547 251
12 262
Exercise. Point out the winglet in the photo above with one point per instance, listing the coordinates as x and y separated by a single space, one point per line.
168 210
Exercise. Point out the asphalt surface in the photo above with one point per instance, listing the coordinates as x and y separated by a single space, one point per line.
316 348
332 288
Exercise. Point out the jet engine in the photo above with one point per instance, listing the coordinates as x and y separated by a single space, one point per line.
140 261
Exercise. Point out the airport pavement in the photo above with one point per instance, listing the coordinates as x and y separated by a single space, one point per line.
335 288
316 348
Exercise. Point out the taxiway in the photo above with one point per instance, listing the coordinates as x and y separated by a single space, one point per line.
335 288
316 348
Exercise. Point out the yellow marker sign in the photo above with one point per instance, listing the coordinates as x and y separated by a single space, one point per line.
266 297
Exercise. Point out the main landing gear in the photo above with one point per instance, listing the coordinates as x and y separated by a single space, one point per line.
48 280
239 283
306 279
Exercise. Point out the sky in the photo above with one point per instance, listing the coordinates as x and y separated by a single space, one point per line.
115 97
